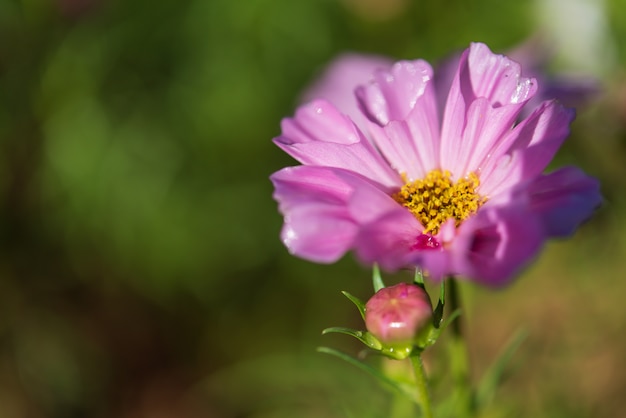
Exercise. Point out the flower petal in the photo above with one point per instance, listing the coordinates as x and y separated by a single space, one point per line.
320 135
389 240
395 93
318 226
493 76
564 199
494 245
436 264
494 79
397 144
527 150
484 129
387 231
402 109
367 201
339 80
319 233
326 208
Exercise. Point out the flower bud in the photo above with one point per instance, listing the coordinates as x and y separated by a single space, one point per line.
397 314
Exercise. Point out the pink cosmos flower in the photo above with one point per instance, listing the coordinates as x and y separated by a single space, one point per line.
461 194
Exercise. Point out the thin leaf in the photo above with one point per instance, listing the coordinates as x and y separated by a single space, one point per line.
435 332
418 278
376 278
438 312
359 304
363 336
453 315
490 381
386 381
342 330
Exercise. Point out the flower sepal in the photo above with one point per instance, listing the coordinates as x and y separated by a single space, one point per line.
365 337
431 335
393 351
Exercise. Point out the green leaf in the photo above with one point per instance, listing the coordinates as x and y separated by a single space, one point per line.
438 312
418 279
434 332
359 304
453 315
376 278
493 376
363 336
386 381
342 330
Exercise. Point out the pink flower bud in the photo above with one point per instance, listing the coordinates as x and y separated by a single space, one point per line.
396 314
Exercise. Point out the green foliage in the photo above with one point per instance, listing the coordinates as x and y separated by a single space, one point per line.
357 302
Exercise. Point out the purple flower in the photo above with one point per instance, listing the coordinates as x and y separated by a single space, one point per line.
396 314
463 194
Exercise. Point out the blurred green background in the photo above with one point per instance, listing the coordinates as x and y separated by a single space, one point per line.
141 272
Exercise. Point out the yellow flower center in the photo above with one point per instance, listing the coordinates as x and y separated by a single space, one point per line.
435 199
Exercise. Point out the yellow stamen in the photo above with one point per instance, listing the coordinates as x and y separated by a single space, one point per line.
435 199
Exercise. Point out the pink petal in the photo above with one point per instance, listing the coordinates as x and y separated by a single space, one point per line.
392 243
403 102
497 243
319 233
484 129
493 76
367 201
564 199
398 145
326 208
436 264
313 200
339 80
389 240
439 264
320 135
294 186
387 231
395 93
527 150
495 82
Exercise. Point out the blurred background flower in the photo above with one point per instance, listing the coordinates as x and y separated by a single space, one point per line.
141 272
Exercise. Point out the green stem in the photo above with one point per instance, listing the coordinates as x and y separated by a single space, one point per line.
459 359
421 383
